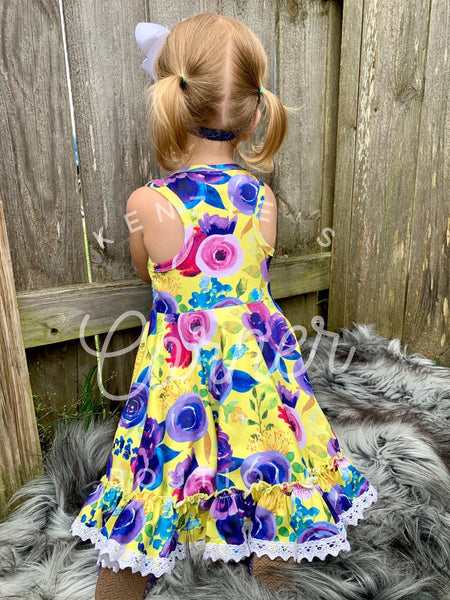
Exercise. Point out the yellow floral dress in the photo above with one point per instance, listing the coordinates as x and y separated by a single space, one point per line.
221 443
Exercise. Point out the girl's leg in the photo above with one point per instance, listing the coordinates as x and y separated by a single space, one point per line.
124 585
267 571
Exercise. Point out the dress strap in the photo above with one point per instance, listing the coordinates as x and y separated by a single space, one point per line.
258 215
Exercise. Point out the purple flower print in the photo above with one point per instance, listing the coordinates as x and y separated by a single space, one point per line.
148 469
163 302
258 320
152 435
213 224
152 322
301 377
224 506
269 466
243 193
264 524
94 495
186 419
282 340
196 328
178 476
170 545
129 523
318 531
201 480
192 187
265 269
337 500
230 529
226 462
224 452
229 301
220 382
287 398
220 255
333 445
135 408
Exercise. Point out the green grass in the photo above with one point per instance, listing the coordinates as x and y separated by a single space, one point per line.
91 406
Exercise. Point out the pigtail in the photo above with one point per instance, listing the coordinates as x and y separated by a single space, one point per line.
168 119
275 117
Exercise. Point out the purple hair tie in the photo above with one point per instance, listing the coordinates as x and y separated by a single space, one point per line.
215 134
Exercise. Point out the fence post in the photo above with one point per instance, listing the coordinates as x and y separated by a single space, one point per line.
20 453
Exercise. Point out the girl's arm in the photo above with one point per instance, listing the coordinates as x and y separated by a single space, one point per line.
135 223
156 229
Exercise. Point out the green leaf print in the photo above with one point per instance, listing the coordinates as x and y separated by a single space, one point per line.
279 520
251 422
253 271
228 409
290 456
284 531
148 530
241 287
203 393
297 467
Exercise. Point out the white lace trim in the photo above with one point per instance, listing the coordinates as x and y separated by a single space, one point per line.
115 556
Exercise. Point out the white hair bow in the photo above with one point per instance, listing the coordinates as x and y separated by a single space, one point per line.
150 37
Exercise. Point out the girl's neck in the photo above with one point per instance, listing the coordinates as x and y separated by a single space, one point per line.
209 152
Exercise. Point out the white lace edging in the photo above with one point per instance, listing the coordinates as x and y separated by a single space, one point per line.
115 556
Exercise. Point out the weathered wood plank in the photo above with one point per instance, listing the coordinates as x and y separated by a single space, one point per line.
20 454
352 22
100 304
394 44
427 323
304 174
114 149
38 175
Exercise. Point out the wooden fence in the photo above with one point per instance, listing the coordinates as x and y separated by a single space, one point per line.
365 158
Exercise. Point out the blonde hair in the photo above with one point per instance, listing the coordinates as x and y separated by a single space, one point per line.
210 71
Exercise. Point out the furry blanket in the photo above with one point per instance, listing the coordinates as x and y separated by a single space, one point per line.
391 414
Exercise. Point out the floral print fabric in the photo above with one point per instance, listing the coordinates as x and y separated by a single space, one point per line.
221 443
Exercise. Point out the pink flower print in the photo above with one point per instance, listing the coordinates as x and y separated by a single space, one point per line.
258 321
201 480
291 416
180 356
196 328
220 255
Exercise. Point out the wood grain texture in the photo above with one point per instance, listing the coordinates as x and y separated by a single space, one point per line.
38 176
129 301
385 159
20 454
306 80
114 149
352 21
426 324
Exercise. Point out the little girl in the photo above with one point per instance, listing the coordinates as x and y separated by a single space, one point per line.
221 444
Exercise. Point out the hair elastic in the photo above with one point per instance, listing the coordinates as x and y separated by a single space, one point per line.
218 135
183 78
261 90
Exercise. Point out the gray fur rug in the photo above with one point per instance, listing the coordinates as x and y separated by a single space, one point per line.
390 411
